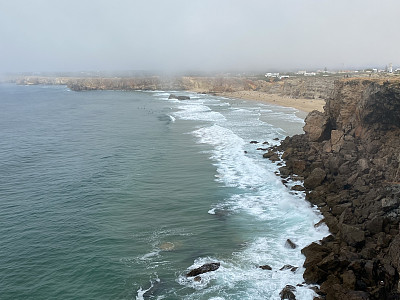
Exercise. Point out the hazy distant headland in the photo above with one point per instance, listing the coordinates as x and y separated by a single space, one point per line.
296 85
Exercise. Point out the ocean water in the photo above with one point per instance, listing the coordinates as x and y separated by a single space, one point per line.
117 195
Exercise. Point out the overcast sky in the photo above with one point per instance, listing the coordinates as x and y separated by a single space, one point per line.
179 35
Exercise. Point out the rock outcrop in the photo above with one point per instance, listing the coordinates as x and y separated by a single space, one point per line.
173 96
204 269
350 158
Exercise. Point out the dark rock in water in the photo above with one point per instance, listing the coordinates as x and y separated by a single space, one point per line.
288 292
197 279
288 267
265 267
204 269
290 244
172 96
253 142
273 156
183 98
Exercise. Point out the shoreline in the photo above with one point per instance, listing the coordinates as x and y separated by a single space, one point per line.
301 104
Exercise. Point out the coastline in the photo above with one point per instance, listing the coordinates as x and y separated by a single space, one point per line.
304 106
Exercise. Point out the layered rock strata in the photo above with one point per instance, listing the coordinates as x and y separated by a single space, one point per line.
349 158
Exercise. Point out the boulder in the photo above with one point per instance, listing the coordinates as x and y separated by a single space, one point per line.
204 269
265 267
297 187
288 267
298 166
172 96
290 244
314 254
375 225
357 295
354 236
349 279
288 292
394 252
314 275
315 179
269 154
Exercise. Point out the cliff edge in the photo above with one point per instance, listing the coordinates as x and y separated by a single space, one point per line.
349 158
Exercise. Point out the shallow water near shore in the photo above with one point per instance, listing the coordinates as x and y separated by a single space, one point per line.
117 195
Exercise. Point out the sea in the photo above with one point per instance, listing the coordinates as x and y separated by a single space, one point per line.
119 194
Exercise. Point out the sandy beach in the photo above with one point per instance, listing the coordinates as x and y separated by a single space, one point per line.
304 105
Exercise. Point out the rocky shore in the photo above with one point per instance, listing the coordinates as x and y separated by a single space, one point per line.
349 161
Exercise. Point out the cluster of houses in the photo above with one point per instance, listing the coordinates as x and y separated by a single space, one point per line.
276 75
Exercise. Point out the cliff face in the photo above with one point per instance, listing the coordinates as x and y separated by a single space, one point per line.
349 158
297 87
300 87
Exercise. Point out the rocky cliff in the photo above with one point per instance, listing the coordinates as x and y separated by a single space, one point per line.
296 87
349 158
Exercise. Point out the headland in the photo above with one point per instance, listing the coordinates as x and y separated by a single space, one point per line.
303 93
349 162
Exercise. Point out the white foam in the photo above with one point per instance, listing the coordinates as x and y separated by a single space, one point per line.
281 215
234 167
172 118
196 111
141 292
211 211
241 279
150 255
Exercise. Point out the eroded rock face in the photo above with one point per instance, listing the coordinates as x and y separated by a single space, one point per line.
350 159
316 127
